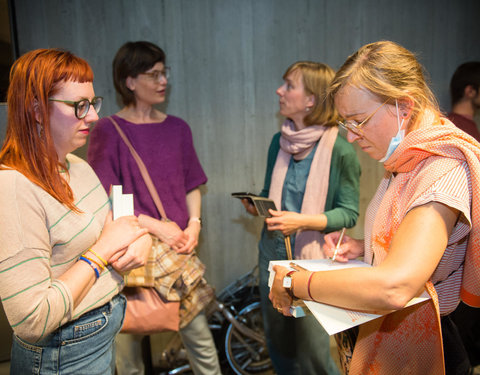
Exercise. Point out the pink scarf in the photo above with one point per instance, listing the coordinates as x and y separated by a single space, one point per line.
299 143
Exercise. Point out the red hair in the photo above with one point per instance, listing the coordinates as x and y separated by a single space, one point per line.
28 146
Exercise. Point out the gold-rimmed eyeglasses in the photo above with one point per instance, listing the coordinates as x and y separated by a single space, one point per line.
82 106
157 75
354 126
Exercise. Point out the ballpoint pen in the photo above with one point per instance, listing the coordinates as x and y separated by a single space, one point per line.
338 244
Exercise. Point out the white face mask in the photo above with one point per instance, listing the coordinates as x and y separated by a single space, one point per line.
395 141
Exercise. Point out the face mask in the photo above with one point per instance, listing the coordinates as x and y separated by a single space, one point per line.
395 141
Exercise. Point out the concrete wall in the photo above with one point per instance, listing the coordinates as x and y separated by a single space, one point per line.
227 59
5 330
3 120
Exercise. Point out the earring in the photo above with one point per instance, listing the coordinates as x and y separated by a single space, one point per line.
307 109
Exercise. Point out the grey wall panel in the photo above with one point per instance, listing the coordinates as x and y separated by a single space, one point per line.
227 59
3 121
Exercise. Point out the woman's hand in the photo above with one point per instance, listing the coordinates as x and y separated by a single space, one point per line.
117 235
193 232
249 207
135 256
279 296
350 248
167 231
285 221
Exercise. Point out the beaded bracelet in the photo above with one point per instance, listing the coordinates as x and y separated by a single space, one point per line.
98 256
100 265
308 286
97 274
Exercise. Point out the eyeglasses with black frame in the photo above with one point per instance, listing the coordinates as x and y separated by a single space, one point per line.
354 126
82 106
157 75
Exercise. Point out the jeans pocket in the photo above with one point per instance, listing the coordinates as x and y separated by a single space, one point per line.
86 327
89 328
26 358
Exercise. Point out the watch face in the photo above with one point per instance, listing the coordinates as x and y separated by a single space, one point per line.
287 282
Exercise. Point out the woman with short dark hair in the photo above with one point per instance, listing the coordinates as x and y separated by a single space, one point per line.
165 144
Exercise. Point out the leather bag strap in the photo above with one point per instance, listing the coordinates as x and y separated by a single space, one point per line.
143 170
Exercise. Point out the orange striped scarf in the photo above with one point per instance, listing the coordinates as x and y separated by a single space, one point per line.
409 341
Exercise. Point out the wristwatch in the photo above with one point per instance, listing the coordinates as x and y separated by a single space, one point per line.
287 282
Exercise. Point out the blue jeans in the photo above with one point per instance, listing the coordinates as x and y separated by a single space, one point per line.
83 346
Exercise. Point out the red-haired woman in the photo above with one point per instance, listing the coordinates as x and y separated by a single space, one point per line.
60 251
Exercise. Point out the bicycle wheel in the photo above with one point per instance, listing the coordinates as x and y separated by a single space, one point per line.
246 355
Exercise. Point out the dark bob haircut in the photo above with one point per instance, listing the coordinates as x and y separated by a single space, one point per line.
132 59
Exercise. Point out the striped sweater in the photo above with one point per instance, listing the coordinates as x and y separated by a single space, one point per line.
40 239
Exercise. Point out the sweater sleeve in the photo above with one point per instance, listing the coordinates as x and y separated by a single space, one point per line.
342 205
193 171
34 302
271 159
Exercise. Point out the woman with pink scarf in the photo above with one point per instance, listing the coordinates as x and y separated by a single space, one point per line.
313 177
422 226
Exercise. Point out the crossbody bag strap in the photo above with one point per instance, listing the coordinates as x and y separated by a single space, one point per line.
143 170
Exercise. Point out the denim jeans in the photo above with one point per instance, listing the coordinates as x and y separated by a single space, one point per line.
83 346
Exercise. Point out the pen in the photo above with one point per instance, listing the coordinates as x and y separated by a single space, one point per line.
338 244
288 247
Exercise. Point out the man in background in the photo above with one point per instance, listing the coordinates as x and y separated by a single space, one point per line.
465 96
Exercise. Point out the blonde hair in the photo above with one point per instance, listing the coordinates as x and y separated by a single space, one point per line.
316 78
389 71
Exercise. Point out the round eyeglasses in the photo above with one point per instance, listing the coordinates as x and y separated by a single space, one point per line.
355 127
82 106
157 75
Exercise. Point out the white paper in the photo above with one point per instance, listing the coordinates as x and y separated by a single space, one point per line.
333 319
122 204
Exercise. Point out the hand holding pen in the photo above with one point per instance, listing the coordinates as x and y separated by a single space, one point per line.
339 242
340 248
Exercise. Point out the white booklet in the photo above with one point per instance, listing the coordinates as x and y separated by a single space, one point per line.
333 319
122 204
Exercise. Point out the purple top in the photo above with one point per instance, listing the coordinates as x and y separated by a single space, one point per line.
167 150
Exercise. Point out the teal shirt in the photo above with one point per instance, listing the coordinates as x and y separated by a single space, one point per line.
341 206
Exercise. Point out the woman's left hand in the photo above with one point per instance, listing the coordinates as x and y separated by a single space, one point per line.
135 256
192 231
285 221
279 296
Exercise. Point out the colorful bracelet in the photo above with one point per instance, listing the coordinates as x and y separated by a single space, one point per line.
308 286
100 265
97 274
98 256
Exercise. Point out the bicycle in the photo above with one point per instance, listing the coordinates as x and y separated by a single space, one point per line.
235 320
